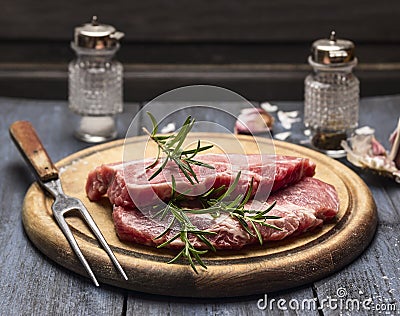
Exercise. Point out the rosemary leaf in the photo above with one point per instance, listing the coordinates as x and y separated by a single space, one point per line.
207 242
155 160
171 146
199 163
169 241
197 150
159 169
154 122
248 194
262 214
167 229
198 259
271 226
176 257
257 232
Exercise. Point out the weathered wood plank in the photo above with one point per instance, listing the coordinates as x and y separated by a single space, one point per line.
220 20
376 273
31 284
380 113
52 53
393 192
252 305
144 82
200 33
387 213
373 277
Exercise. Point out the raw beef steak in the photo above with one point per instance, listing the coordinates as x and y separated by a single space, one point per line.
127 184
301 207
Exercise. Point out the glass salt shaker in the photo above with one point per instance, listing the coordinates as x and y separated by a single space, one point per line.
331 95
95 81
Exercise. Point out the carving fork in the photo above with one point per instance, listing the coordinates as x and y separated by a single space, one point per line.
31 148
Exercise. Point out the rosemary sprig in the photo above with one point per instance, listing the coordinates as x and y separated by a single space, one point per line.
215 201
215 207
235 209
186 227
171 146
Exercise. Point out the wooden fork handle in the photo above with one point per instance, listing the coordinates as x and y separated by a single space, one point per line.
26 139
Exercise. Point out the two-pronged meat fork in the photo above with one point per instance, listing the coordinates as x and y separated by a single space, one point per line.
31 148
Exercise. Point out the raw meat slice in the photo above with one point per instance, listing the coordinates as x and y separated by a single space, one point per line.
127 184
301 207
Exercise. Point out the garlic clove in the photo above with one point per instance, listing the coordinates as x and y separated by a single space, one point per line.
253 121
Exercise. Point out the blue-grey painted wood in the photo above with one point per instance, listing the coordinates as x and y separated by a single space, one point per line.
252 305
373 279
31 284
368 285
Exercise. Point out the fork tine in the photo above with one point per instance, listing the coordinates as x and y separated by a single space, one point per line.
71 239
101 239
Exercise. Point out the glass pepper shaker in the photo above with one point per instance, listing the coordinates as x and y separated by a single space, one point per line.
95 81
331 95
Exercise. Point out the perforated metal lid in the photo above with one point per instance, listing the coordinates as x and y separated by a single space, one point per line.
97 36
332 51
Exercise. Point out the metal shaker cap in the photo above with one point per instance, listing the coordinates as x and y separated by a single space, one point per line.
332 51
97 36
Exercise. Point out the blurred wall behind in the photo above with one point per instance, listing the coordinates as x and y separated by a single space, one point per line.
257 48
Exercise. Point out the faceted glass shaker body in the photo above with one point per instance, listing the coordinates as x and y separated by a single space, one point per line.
95 92
331 107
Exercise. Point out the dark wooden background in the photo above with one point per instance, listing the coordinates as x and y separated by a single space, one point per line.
257 48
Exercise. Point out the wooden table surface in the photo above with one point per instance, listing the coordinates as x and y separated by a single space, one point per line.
31 284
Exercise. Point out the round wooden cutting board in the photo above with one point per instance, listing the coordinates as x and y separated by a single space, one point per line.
253 270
